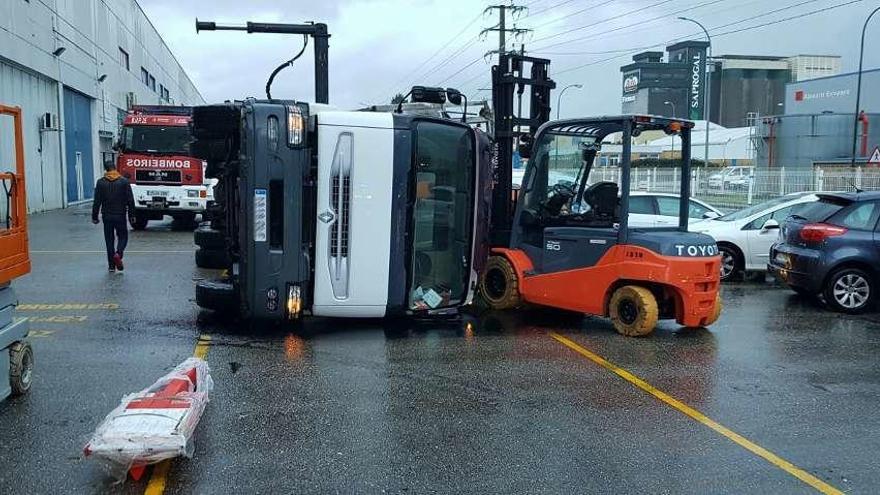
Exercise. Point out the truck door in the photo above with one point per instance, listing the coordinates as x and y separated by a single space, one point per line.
353 214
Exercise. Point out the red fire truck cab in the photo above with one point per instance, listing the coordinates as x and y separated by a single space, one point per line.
153 154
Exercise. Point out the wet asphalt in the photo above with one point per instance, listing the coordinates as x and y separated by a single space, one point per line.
486 404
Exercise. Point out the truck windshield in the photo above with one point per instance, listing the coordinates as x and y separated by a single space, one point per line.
443 172
156 139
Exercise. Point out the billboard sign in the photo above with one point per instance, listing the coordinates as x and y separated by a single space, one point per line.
697 90
630 82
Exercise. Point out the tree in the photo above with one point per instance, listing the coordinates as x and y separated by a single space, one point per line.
397 99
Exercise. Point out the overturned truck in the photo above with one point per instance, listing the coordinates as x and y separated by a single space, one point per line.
338 213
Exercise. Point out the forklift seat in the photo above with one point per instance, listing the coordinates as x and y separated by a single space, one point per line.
602 198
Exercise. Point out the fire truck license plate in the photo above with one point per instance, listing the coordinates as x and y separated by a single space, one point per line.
157 193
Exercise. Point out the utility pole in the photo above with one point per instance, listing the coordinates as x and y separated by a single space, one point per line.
502 28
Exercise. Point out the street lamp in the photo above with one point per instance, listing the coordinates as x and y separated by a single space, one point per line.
707 87
859 88
559 98
673 116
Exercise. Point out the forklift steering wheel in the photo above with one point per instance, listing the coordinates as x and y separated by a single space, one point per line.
560 195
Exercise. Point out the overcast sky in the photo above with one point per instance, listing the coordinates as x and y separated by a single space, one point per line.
377 45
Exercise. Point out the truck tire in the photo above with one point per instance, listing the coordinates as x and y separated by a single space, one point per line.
212 258
140 221
217 295
633 311
21 367
499 284
207 238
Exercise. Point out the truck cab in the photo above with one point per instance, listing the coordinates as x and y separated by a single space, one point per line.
341 213
153 154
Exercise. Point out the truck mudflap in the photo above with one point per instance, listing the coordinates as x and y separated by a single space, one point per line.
195 198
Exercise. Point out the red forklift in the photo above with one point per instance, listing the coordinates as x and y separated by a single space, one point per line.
564 240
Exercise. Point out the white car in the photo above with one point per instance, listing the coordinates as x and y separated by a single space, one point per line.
650 209
744 237
730 178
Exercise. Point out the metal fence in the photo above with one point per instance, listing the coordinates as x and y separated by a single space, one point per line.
755 185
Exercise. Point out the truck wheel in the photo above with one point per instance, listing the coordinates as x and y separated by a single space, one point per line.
849 290
208 238
499 284
140 221
633 311
21 367
716 311
212 258
217 295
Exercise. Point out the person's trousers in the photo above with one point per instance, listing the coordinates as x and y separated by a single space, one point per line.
115 235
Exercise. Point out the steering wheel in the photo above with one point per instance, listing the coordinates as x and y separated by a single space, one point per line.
559 195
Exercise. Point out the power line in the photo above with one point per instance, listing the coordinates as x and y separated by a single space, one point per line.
715 35
636 24
539 12
600 3
501 28
587 26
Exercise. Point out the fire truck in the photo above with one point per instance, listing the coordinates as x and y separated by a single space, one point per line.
153 154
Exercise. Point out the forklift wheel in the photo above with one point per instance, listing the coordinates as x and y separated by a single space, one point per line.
499 285
716 312
21 367
206 237
633 311
218 295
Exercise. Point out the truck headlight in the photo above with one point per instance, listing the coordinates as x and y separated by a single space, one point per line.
296 126
192 193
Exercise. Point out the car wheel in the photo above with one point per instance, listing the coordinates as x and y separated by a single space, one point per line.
499 284
732 264
633 311
849 290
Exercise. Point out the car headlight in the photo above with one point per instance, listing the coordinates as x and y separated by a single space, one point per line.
296 126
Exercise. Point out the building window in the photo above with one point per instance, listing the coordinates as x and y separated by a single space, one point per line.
152 84
166 94
145 77
123 59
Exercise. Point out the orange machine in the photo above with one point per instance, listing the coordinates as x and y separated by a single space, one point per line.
14 262
571 247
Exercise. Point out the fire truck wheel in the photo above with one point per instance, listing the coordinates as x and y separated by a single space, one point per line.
633 311
21 367
716 311
217 295
207 238
499 284
211 258
140 221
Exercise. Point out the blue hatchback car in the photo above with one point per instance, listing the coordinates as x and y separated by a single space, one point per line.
832 248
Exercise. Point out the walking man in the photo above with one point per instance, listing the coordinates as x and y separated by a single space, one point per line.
113 198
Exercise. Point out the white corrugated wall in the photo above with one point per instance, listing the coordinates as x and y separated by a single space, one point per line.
36 95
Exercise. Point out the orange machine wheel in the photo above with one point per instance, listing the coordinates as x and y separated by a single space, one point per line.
633 311
499 284
716 312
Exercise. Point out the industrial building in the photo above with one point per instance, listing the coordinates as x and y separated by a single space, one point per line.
816 127
741 86
74 68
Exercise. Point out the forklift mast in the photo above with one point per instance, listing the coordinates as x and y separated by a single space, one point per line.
509 77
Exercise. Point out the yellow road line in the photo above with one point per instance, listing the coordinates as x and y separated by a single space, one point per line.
159 476
731 435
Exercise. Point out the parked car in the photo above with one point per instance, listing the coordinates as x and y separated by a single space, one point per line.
650 209
832 248
744 237
730 178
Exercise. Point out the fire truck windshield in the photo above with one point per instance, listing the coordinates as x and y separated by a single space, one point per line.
156 139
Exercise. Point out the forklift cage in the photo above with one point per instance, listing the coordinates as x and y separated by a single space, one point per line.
14 259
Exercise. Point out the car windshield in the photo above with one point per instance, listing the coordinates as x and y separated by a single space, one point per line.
758 208
156 139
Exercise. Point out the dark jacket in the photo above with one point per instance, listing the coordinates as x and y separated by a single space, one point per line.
112 196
